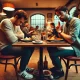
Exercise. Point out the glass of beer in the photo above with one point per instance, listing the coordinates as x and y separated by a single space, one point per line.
43 35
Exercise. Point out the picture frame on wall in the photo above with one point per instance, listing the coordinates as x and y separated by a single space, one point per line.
49 15
49 20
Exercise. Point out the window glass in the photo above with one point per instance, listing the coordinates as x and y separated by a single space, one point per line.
72 11
56 20
37 20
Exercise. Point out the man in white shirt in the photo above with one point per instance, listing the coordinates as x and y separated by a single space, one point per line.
10 27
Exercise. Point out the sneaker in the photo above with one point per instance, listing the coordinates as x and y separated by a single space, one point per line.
56 73
29 69
53 69
25 75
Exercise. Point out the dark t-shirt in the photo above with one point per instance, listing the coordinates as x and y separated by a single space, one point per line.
55 33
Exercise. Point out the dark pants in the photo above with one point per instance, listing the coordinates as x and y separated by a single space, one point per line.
24 52
55 53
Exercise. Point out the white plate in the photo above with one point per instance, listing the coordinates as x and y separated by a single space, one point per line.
24 40
34 42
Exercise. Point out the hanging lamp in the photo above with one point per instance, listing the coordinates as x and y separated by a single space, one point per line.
1 10
8 6
2 13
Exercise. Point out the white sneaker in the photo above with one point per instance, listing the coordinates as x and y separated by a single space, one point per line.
29 69
25 75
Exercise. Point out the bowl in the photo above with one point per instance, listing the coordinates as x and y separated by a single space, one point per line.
46 72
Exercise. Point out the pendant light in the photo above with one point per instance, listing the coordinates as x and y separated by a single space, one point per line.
1 10
8 6
2 13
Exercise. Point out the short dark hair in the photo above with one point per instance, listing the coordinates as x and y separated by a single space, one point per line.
52 24
37 26
61 8
20 14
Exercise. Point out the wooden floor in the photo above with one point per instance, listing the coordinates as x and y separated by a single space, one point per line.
10 74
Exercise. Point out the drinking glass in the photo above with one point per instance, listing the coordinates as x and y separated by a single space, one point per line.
38 37
43 35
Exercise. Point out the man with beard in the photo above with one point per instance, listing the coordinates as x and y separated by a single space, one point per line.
72 36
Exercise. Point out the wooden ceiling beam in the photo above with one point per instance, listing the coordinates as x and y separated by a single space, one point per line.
69 2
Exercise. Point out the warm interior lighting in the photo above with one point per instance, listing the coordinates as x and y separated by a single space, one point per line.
8 7
2 13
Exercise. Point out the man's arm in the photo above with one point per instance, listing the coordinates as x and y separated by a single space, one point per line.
66 37
7 29
19 33
74 35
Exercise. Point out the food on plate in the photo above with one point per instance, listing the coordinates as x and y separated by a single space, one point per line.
59 38
27 38
51 38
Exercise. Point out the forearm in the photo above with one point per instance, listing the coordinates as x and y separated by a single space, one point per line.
66 37
30 32
20 36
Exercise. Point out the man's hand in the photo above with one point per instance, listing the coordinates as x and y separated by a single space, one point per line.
31 32
58 29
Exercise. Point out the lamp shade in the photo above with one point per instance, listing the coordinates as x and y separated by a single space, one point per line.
2 13
8 7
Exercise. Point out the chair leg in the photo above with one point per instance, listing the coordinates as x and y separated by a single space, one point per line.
5 65
15 66
67 70
76 67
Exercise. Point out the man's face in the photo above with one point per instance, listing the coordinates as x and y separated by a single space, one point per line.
61 15
19 22
51 26
27 25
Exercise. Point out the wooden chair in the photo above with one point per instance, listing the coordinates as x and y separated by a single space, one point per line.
5 60
68 65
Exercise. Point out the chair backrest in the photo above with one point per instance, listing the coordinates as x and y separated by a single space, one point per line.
3 37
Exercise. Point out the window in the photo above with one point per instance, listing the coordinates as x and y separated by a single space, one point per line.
37 20
72 11
56 20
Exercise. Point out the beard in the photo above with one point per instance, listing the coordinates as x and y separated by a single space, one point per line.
64 18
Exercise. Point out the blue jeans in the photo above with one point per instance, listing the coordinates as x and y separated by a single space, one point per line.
55 53
24 52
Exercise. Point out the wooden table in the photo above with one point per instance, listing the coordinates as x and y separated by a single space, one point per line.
41 46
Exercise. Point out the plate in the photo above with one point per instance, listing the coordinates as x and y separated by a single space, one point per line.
24 40
55 40
46 72
35 42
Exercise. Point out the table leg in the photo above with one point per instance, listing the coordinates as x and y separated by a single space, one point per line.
41 76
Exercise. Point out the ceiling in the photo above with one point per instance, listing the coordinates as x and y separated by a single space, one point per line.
37 3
